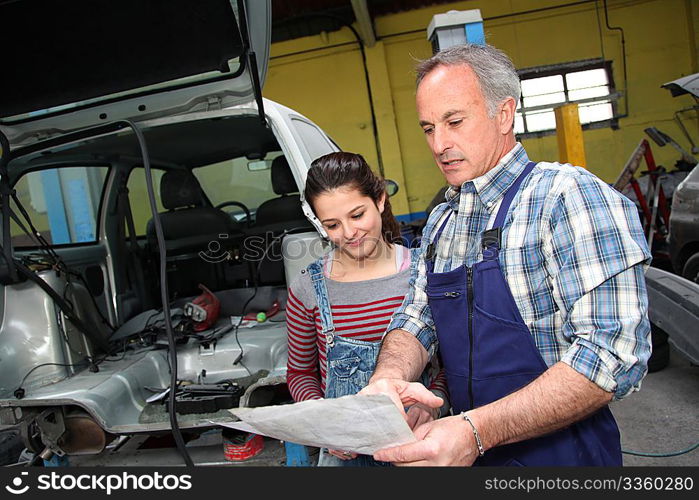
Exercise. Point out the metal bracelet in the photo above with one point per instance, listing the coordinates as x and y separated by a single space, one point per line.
479 443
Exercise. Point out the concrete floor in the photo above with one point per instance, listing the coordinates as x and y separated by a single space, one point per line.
663 416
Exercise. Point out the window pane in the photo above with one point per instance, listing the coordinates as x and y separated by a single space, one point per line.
586 79
595 112
233 180
316 143
63 204
555 98
545 120
588 92
545 90
540 95
543 85
138 197
587 84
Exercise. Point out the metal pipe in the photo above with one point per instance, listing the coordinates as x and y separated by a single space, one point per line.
623 55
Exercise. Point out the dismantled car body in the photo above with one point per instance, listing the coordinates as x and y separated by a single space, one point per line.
84 354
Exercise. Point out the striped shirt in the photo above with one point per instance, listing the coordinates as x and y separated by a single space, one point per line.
361 310
573 256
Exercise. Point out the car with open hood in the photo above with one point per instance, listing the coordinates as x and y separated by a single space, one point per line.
152 218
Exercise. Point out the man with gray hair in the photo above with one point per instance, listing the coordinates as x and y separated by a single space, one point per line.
531 283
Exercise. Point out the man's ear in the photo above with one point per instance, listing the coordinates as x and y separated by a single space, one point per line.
381 203
506 115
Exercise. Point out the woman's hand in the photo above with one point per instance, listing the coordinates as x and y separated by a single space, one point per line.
343 455
419 414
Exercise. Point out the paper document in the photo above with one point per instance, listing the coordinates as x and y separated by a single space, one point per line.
362 424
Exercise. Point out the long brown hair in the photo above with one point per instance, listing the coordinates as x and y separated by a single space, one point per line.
336 170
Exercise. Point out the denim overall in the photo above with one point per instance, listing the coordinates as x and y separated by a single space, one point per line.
351 362
488 353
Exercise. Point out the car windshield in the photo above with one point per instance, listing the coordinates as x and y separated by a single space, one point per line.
238 180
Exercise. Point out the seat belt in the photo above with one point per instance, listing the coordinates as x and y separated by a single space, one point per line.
133 250
8 272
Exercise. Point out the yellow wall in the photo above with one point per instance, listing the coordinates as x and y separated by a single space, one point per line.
327 83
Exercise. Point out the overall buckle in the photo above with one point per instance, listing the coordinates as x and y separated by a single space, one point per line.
429 253
491 238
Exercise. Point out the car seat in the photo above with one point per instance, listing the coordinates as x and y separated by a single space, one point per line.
197 235
273 217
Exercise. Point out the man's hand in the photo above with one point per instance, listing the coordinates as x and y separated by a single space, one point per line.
403 393
447 441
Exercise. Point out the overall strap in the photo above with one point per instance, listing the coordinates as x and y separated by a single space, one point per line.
432 247
510 195
490 240
322 298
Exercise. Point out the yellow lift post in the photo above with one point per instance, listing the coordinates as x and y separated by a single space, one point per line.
571 148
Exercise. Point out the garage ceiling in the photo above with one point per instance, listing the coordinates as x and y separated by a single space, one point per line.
297 18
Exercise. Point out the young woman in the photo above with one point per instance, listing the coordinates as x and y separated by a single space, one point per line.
340 306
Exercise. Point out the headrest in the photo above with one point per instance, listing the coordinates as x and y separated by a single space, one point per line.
179 188
282 179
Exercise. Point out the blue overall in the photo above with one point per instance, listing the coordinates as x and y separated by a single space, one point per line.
350 362
488 353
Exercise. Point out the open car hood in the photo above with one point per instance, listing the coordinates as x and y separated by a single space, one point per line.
79 63
686 85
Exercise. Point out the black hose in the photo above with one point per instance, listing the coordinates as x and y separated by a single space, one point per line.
19 392
164 295
661 455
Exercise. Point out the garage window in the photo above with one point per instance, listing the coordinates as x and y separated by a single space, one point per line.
588 83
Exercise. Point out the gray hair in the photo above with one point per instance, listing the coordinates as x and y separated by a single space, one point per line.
496 74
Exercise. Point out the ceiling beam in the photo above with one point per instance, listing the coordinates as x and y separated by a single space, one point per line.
364 21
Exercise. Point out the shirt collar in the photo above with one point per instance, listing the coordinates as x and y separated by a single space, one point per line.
492 185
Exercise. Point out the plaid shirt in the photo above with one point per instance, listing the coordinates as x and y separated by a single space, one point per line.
573 255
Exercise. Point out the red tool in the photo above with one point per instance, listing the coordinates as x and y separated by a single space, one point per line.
240 447
203 310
